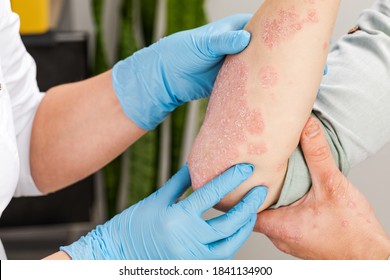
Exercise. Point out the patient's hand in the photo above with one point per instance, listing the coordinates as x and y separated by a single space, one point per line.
263 97
334 220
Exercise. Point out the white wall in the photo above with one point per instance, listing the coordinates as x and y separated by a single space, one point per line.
372 176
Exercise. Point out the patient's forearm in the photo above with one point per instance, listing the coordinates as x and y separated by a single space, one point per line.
263 96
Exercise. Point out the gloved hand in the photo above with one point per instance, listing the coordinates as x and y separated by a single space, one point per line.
177 69
159 228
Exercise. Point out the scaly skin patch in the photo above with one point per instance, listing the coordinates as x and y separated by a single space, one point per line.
312 16
228 123
285 26
268 77
257 148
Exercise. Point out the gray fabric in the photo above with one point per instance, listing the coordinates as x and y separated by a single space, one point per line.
298 181
354 103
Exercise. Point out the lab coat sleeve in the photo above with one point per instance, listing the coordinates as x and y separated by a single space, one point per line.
19 71
26 185
354 103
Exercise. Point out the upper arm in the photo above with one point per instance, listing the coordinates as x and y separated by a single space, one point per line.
355 95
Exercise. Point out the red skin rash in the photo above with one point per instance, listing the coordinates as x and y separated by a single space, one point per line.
325 46
228 123
268 77
257 148
312 16
286 25
280 167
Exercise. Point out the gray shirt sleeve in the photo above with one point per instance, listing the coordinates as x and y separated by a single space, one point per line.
354 103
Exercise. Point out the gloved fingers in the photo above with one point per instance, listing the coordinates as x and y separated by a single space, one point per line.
206 197
175 186
226 248
228 223
230 42
226 36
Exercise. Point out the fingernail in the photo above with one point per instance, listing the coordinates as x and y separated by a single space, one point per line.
246 168
255 198
264 191
252 199
312 130
246 38
262 194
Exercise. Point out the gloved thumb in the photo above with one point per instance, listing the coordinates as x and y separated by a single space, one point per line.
175 186
230 222
230 42
210 194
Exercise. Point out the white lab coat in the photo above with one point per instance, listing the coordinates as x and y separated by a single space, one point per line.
19 100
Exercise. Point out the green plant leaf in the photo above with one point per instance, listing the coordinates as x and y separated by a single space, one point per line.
182 15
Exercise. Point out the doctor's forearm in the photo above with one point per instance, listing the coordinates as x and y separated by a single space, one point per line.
78 128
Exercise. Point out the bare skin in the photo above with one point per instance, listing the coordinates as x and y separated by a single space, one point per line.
59 256
259 105
333 221
84 118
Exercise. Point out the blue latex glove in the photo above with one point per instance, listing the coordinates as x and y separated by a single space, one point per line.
177 69
325 73
159 228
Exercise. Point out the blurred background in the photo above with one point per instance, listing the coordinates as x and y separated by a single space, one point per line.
74 39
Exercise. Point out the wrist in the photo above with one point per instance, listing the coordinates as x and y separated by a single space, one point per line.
139 84
387 248
380 250
93 246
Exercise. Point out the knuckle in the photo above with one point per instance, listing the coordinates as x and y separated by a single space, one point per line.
319 154
333 183
169 225
282 246
225 253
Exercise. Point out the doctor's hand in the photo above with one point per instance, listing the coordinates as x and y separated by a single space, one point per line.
333 221
177 69
159 227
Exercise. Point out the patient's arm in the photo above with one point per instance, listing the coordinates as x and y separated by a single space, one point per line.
263 97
